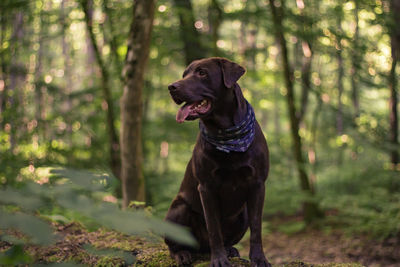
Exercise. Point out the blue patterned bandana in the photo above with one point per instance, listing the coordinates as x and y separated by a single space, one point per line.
237 138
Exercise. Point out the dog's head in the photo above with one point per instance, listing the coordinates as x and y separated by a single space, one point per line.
204 82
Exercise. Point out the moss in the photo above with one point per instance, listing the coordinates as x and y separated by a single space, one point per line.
108 261
149 251
236 262
157 259
302 264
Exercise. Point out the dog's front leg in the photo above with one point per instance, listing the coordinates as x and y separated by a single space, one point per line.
212 217
255 206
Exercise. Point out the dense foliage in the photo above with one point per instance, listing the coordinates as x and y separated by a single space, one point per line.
53 112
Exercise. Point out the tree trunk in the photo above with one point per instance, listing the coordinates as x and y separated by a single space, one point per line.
3 82
306 48
214 20
90 58
355 62
305 77
394 119
339 56
115 160
17 74
67 71
340 75
113 39
310 208
39 76
133 187
193 48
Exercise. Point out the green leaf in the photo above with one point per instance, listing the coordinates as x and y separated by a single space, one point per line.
84 179
114 253
127 222
20 198
14 256
39 231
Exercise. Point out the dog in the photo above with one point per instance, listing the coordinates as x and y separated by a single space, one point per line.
222 193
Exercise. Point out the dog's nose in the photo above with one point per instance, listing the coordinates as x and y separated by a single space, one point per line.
172 87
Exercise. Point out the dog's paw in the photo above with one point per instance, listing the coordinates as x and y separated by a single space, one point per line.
221 261
260 261
232 252
183 258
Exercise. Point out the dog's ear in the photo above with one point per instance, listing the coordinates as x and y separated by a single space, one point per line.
231 72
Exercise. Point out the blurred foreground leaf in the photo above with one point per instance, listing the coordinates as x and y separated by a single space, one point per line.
127 222
20 198
76 192
84 179
14 256
114 253
38 231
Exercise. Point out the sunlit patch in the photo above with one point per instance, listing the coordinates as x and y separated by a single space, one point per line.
198 24
164 149
31 168
221 43
48 79
325 98
162 8
104 105
7 127
300 4
110 198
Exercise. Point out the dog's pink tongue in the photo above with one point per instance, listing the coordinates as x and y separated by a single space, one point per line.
183 112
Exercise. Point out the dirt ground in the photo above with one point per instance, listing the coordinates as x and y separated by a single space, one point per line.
316 247
310 246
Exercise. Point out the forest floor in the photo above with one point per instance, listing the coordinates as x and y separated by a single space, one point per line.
308 247
317 247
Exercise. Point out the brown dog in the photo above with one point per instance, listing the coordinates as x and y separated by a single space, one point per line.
222 193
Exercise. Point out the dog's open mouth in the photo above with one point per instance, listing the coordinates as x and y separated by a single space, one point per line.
193 110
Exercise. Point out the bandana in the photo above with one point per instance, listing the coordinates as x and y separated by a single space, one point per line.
237 138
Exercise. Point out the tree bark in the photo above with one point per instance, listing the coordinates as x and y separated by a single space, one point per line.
67 72
113 39
306 64
355 59
310 208
133 187
17 74
214 20
305 77
115 160
339 56
393 82
193 47
39 76
3 65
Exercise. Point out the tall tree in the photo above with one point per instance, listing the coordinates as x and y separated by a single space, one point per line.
17 74
355 62
306 36
394 30
113 38
115 160
3 65
67 64
192 45
214 20
339 57
40 89
133 187
310 208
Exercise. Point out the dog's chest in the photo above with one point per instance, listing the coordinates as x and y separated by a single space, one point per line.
233 174
232 187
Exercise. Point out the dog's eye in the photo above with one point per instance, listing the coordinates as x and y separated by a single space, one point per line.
202 73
